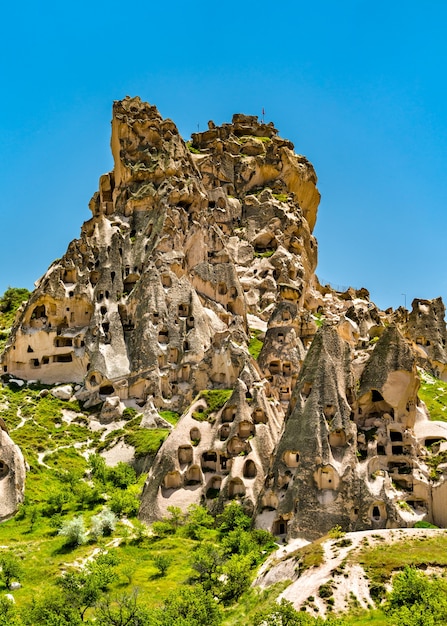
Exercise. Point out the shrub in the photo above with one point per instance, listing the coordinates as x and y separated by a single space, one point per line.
233 517
336 532
129 413
74 532
161 562
189 607
122 475
104 523
124 503
235 576
11 568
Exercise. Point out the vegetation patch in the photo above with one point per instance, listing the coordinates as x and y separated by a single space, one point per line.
433 392
255 345
215 400
191 148
170 416
146 441
282 197
265 254
380 561
245 138
9 304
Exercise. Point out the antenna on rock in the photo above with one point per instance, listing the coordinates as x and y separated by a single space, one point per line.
263 113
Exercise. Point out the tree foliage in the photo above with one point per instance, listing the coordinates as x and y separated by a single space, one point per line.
417 600
11 568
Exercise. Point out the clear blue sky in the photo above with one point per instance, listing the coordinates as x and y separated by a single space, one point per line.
359 87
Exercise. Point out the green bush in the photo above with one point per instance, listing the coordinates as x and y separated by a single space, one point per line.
121 475
124 503
11 568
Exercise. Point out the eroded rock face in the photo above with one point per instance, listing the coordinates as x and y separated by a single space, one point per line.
348 457
192 248
425 327
12 475
218 459
315 458
151 301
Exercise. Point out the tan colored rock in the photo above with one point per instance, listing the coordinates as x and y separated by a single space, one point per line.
12 475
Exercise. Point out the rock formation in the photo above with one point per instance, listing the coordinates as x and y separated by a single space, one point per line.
12 475
194 251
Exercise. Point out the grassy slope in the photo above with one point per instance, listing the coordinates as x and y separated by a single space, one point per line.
41 549
9 303
434 393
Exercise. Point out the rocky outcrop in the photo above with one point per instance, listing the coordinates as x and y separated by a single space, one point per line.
151 302
216 456
195 251
12 475
425 327
348 457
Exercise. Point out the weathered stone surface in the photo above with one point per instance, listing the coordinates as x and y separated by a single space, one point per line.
425 327
12 475
64 392
111 410
193 251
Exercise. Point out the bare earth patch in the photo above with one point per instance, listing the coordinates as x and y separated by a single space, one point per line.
348 580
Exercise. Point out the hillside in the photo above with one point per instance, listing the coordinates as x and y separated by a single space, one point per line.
180 383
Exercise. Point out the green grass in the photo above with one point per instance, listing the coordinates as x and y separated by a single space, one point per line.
251 602
146 441
191 148
309 556
153 590
266 254
319 319
246 138
9 303
215 400
170 416
382 560
375 617
434 393
282 197
255 345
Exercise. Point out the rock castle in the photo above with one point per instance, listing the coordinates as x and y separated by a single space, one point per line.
195 253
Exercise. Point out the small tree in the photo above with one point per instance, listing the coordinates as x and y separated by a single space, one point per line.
177 517
122 475
162 563
233 517
190 606
205 561
124 503
98 467
235 578
83 588
197 520
11 568
104 523
8 613
34 514
122 611
74 532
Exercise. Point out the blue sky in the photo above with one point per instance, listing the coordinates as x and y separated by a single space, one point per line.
359 87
